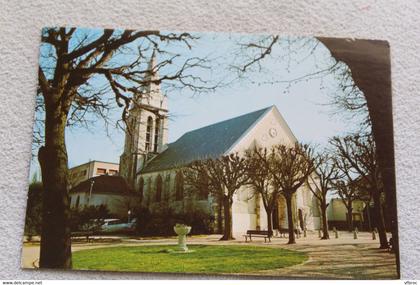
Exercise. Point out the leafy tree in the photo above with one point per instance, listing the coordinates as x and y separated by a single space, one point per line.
222 176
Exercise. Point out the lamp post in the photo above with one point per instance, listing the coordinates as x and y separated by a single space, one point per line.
129 214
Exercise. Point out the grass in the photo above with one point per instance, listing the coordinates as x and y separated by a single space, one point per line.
204 259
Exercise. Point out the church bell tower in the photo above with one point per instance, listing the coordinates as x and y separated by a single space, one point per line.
146 131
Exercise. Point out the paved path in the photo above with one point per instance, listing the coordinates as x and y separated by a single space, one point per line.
347 261
342 258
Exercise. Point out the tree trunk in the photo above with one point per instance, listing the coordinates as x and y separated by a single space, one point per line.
374 79
227 207
290 219
269 220
379 220
220 216
368 216
55 237
325 234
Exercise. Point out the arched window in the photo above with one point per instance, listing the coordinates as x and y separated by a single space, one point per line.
156 140
149 129
179 186
167 188
159 184
148 190
141 188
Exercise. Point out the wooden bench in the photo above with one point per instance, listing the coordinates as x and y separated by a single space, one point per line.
283 232
265 234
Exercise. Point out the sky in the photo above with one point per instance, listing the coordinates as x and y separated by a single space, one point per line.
304 104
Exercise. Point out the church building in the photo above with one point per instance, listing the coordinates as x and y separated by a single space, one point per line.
152 166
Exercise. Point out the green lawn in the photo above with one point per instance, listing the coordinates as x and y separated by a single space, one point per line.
204 259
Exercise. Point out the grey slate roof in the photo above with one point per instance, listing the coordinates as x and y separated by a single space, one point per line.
207 142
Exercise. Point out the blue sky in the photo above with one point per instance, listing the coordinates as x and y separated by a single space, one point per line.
304 104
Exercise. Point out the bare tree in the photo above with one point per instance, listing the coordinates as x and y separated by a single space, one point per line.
357 159
348 193
364 68
290 167
370 65
71 60
223 177
322 184
261 181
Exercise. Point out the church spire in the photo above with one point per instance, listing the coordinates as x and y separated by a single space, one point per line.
148 124
152 62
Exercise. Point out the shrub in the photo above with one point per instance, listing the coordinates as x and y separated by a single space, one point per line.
161 222
142 214
88 219
34 210
201 222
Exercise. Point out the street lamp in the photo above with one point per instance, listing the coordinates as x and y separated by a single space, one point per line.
129 214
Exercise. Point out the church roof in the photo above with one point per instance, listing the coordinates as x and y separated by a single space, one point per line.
207 142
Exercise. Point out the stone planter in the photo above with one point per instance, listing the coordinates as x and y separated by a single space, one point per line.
182 231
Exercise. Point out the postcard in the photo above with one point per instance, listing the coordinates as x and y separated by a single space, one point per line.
212 153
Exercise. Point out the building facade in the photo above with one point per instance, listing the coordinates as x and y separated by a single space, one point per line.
110 191
161 184
149 173
91 169
146 133
152 166
337 214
